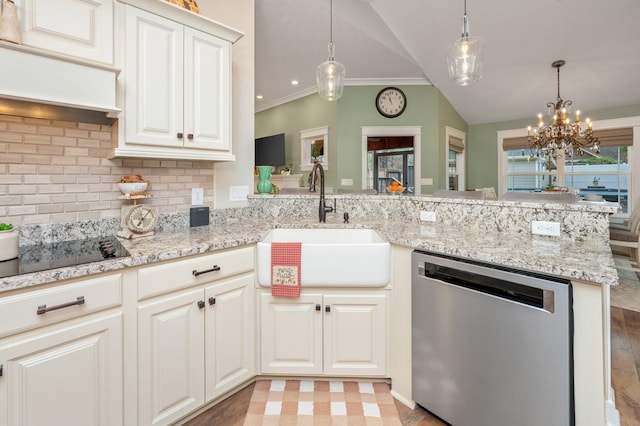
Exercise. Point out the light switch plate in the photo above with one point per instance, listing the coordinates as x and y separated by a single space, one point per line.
346 182
238 193
197 196
428 216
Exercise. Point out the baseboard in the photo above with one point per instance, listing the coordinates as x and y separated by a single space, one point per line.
408 402
612 415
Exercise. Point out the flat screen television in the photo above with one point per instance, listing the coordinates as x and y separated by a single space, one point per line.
270 151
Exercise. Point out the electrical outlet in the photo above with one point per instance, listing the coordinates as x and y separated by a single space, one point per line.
428 216
545 228
197 196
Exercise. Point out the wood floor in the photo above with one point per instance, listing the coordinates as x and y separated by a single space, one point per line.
625 362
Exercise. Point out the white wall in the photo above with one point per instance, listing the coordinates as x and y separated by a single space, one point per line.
238 14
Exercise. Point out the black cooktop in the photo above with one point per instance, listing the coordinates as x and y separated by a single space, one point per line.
42 257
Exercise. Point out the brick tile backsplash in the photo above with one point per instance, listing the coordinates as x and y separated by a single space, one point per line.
58 171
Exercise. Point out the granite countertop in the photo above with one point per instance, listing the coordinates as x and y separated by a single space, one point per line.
585 261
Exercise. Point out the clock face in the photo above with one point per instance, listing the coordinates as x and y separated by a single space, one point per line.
142 218
391 102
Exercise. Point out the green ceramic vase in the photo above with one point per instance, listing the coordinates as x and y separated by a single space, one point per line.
264 179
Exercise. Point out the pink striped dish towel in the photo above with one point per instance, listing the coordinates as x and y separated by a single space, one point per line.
285 269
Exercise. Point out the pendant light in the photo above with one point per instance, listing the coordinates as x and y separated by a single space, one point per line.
330 74
465 56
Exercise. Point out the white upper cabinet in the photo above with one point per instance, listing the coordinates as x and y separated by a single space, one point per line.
176 85
80 28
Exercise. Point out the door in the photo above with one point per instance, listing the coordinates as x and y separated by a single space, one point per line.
355 335
291 334
229 336
207 106
393 165
154 75
64 376
170 357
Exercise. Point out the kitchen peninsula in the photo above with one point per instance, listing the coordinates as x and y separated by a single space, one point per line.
496 232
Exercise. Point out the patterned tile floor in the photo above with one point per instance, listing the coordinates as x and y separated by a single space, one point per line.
306 402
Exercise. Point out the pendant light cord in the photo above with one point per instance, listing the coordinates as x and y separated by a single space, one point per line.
331 21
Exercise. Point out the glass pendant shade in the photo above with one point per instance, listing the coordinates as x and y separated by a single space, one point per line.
330 77
465 58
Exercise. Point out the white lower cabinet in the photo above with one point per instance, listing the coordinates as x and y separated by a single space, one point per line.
193 346
61 354
324 333
67 374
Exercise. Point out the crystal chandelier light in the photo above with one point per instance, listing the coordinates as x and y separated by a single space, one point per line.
330 74
561 135
465 56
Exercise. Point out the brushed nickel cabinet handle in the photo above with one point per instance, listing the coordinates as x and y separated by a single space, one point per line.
42 309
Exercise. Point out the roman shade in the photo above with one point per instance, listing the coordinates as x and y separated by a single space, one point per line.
456 144
608 137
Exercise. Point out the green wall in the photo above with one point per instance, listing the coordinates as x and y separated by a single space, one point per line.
482 151
426 107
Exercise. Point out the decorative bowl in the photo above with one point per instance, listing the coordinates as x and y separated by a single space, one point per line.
128 188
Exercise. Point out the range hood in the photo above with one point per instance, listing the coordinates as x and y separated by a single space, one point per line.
66 84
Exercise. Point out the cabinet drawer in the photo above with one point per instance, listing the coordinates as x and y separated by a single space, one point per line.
42 307
156 280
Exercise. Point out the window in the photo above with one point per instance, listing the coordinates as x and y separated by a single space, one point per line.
455 159
607 173
314 144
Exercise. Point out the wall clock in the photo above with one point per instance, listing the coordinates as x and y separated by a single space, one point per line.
391 102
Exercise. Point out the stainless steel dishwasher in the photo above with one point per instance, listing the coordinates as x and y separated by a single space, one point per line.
491 346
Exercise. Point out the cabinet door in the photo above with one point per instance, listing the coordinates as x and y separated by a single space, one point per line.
291 334
229 340
170 357
355 335
68 375
207 101
153 79
81 28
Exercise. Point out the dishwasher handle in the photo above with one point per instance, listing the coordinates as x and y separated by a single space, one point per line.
508 290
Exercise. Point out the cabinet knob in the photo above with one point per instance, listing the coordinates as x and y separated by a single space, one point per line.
180 135
327 308
212 300
1 368
190 136
318 307
200 304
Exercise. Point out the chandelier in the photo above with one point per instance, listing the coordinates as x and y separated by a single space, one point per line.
330 74
465 56
562 135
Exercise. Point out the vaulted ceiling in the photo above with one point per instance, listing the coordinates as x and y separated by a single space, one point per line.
405 42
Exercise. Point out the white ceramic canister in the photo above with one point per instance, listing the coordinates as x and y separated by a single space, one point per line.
8 244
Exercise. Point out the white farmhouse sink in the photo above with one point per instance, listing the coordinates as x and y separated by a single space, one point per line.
332 257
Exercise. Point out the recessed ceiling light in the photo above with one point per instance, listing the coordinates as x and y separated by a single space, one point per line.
294 82
259 97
